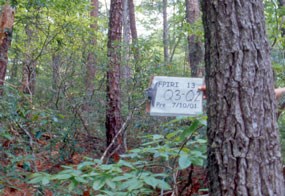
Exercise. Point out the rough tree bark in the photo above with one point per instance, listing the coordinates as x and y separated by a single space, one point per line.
113 107
195 51
6 29
165 33
244 155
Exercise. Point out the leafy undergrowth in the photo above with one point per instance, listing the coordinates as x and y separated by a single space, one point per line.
45 153
15 168
152 169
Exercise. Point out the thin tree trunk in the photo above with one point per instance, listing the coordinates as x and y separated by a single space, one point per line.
29 68
165 33
29 77
244 155
113 107
282 4
14 69
133 29
6 29
91 59
56 58
195 51
126 41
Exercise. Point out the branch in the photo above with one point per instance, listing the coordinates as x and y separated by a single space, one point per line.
129 117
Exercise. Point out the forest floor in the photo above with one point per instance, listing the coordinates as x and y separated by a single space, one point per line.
191 180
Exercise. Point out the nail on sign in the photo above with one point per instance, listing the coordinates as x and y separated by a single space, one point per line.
176 96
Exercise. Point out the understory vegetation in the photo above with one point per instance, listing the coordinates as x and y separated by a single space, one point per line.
53 138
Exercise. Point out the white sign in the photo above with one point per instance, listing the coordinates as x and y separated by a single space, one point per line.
175 96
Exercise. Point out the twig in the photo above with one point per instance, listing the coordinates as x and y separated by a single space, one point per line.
129 117
30 144
175 175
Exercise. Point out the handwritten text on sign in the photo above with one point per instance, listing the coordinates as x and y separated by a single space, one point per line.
175 96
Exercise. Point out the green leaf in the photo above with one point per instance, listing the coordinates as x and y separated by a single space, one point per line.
125 163
84 164
114 193
151 181
156 137
163 185
71 186
61 116
106 167
45 181
61 176
36 180
195 124
172 134
98 184
136 185
201 141
124 177
7 136
111 184
184 161
80 179
38 134
130 184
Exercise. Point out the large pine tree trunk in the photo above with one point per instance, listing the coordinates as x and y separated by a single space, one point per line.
6 27
244 155
113 107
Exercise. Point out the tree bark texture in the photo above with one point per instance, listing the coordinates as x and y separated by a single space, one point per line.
244 155
113 107
165 33
6 29
195 51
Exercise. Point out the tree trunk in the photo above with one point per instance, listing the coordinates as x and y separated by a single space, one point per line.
29 68
56 61
91 59
29 77
282 4
126 41
113 107
165 33
6 28
195 51
244 155
133 29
